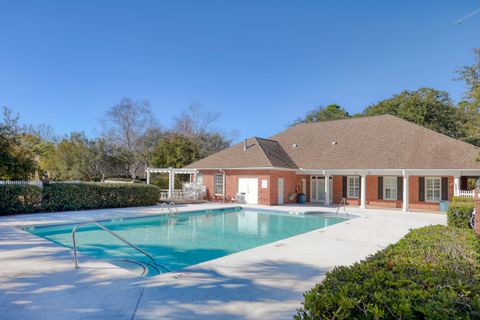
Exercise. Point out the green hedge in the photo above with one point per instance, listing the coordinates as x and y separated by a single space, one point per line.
459 214
20 199
432 273
75 196
81 196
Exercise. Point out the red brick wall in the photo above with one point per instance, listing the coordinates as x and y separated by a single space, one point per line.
374 202
293 185
268 196
477 216
415 204
372 196
299 183
338 192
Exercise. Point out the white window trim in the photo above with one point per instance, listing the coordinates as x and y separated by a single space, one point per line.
214 184
348 187
425 189
385 188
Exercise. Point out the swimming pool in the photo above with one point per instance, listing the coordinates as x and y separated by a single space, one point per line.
179 241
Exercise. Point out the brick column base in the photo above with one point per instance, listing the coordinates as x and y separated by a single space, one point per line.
477 214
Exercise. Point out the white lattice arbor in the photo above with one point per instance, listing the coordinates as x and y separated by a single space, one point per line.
171 176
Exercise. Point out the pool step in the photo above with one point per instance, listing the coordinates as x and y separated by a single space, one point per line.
142 269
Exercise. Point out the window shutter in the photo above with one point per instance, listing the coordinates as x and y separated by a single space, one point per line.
344 187
359 187
380 188
421 189
400 188
444 188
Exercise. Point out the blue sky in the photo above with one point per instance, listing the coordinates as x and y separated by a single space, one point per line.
261 64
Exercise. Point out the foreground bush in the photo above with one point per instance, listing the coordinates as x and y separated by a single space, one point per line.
81 196
20 199
432 273
459 214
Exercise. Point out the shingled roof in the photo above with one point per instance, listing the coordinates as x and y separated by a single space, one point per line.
378 142
260 153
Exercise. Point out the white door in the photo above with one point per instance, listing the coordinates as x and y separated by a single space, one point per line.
321 189
318 189
249 187
280 191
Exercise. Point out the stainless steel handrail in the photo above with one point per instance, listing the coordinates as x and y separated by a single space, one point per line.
172 205
165 205
113 234
343 204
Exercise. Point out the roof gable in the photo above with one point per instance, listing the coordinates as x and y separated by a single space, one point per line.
259 153
378 142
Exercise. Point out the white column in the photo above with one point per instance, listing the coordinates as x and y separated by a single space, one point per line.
148 177
171 183
327 190
456 186
363 192
405 204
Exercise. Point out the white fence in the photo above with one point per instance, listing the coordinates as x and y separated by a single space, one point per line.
34 182
22 182
465 193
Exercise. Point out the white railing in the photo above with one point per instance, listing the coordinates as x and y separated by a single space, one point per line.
465 193
179 194
22 182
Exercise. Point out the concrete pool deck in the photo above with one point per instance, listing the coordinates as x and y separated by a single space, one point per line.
37 278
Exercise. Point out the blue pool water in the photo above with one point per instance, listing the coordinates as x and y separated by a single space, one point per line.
186 239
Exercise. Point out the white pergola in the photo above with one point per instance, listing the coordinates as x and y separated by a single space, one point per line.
171 176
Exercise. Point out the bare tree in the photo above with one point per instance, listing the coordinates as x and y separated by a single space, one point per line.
195 121
127 125
42 130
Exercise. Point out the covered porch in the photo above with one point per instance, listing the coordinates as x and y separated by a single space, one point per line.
405 189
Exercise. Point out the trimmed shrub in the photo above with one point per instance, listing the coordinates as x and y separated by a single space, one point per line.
84 196
19 199
432 273
459 214
462 199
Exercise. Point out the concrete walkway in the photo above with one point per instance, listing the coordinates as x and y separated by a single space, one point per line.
37 279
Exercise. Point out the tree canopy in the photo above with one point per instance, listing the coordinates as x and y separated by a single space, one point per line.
430 108
321 113
470 107
16 161
130 139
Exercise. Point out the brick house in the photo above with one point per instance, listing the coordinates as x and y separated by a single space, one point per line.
378 162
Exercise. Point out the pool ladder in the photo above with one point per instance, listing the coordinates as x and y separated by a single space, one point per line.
171 207
153 263
343 204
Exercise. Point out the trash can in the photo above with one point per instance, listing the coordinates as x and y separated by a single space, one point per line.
444 206
301 198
